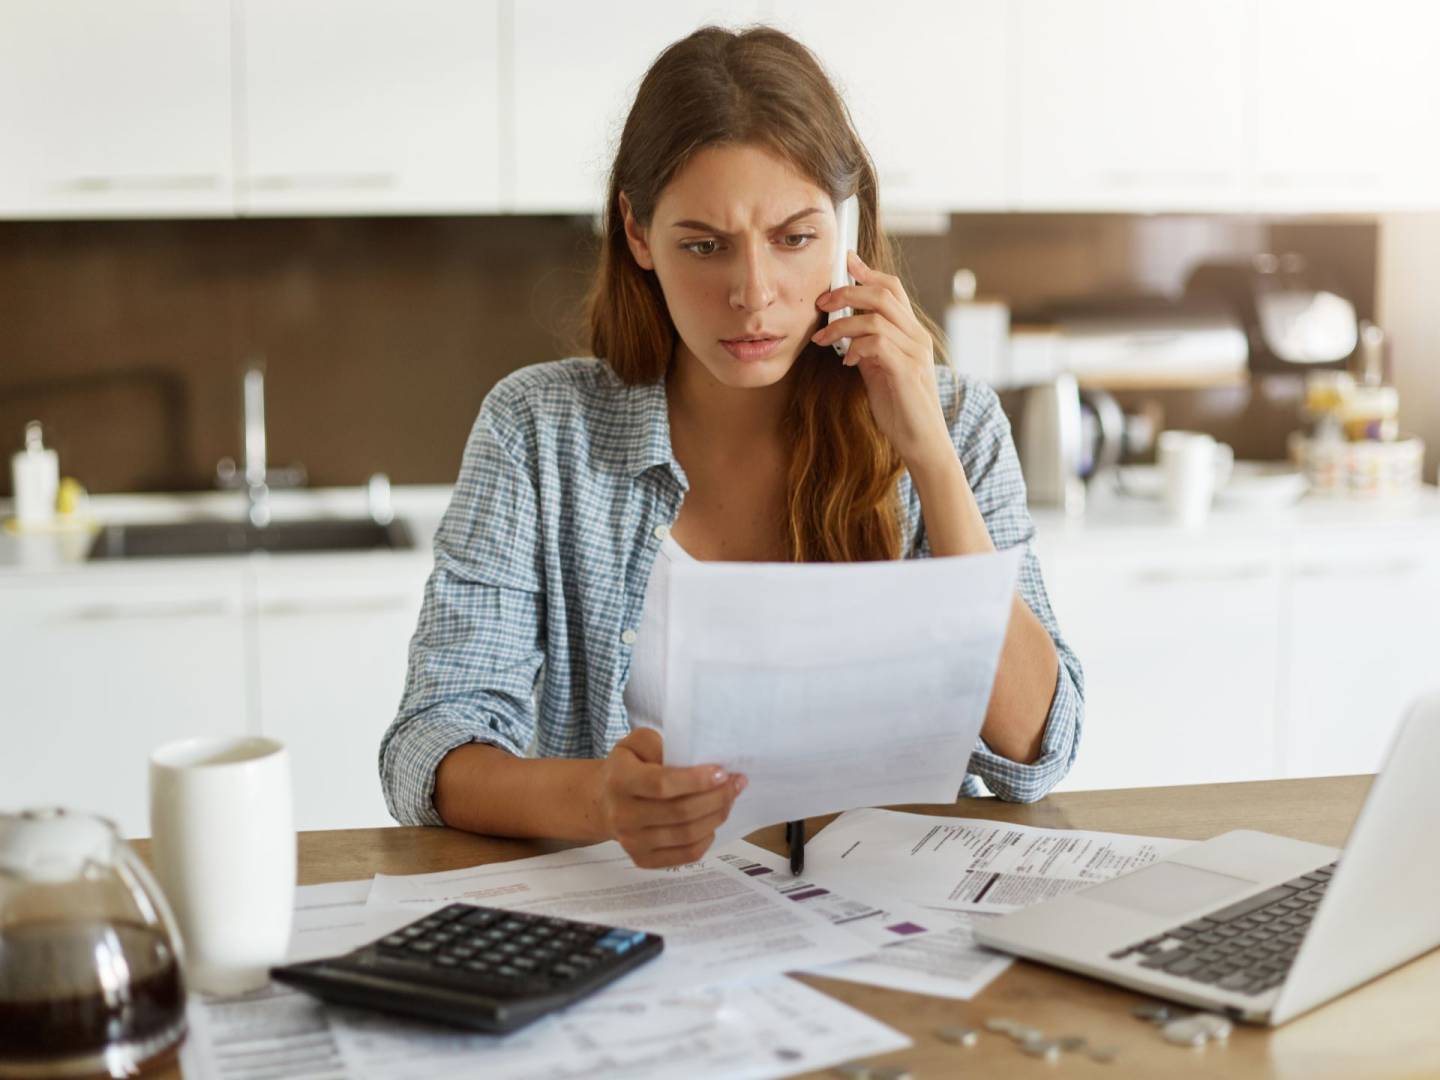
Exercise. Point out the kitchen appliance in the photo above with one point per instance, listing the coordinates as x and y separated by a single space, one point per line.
1291 316
1050 444
90 961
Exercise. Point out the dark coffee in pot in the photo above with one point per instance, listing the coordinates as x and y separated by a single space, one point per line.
74 989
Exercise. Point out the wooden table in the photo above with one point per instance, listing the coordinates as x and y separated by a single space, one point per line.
1389 1028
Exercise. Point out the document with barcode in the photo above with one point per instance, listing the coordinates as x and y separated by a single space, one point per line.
832 686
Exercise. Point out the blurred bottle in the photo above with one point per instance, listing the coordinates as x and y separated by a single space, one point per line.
35 475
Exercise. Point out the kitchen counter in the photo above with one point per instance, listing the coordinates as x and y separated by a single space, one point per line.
63 550
1121 522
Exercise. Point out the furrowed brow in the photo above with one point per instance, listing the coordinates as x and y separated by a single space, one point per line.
703 227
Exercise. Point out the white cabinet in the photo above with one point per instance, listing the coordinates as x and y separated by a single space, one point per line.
576 66
97 670
115 109
1179 650
1363 643
1132 104
1346 105
934 115
369 106
331 651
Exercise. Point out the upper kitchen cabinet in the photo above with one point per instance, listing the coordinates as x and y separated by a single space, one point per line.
1133 105
1346 106
937 132
576 68
368 106
115 110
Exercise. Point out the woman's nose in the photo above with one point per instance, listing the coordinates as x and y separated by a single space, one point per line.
753 290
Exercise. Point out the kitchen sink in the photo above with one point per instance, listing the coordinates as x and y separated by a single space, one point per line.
238 538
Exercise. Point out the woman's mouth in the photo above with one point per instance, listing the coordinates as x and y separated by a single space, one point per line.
752 348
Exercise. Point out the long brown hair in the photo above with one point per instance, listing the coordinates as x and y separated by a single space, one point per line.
757 87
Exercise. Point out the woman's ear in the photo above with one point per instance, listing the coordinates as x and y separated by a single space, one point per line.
635 236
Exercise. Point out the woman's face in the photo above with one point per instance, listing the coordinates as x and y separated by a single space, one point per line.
741 245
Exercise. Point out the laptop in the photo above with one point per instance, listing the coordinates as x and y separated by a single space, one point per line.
1259 927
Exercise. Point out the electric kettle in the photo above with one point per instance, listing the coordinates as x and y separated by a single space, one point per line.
90 958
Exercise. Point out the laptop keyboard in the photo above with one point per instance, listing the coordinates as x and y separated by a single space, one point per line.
1247 947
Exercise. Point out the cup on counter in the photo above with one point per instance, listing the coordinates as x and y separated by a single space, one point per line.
1194 466
223 843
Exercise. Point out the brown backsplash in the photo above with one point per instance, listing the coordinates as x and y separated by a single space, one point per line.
382 335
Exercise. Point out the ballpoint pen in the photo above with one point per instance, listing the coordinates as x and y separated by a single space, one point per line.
795 837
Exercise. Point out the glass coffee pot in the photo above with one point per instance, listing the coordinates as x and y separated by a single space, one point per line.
90 959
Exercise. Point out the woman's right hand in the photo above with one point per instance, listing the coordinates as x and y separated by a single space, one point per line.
662 816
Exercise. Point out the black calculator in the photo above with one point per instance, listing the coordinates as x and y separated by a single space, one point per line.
477 967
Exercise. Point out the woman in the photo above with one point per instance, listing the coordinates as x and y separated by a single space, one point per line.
718 423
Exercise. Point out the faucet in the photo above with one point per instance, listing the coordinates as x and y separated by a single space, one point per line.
257 490
257 477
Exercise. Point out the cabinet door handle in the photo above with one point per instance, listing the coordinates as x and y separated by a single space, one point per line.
1390 568
379 181
185 609
1248 572
364 606
103 185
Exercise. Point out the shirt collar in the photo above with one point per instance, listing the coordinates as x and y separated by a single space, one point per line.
649 431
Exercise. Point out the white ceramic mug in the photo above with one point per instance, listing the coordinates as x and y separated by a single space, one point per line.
1194 465
223 836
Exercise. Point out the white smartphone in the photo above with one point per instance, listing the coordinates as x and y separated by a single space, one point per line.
847 238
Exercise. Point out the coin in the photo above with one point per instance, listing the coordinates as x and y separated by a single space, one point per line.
1104 1054
1025 1033
1185 1032
1216 1027
1001 1026
1156 1014
1070 1043
1048 1049
959 1036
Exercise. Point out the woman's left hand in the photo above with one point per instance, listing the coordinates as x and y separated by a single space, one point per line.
896 357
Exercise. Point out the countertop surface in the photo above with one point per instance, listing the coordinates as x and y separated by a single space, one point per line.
1112 521
62 550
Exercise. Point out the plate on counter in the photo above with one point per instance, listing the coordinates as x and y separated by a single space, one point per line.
1253 484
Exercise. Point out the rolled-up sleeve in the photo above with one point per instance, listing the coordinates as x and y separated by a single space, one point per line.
478 648
982 437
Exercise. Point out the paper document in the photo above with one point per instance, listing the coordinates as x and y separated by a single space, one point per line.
880 926
329 920
923 950
832 686
970 865
718 923
771 1027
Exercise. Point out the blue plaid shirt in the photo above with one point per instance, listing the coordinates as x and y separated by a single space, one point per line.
544 554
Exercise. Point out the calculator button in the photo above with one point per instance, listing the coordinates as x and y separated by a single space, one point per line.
506 971
524 963
422 946
411 932
477 919
476 965
446 962
395 940
564 971
464 952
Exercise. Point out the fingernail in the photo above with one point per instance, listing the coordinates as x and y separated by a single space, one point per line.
815 337
741 784
719 776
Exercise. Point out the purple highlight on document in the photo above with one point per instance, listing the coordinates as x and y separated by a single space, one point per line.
756 871
906 928
808 893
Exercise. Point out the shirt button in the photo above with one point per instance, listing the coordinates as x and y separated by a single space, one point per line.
662 531
628 637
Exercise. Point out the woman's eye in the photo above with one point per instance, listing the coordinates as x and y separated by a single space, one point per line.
804 239
695 245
